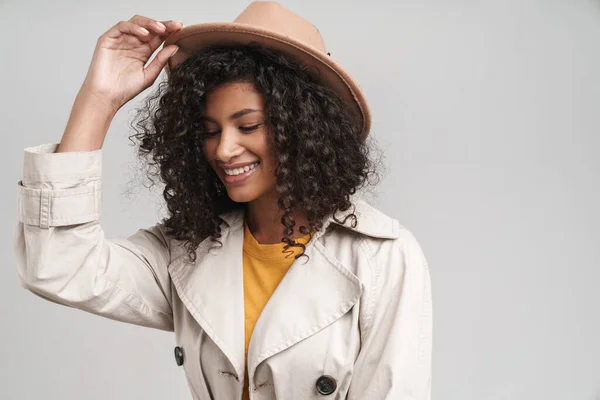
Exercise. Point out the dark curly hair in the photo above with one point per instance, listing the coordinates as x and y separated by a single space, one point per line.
321 160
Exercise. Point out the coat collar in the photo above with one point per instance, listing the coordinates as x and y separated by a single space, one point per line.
371 221
309 297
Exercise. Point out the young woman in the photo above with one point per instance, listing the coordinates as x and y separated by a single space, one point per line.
277 280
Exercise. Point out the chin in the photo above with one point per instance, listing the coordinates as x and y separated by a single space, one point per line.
241 195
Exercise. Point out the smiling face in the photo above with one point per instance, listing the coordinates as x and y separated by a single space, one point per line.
237 137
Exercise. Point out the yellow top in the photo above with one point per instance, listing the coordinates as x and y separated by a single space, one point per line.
264 267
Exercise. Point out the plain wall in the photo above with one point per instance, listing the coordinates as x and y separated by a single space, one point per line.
488 113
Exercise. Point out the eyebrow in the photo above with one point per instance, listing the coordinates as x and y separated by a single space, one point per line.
235 115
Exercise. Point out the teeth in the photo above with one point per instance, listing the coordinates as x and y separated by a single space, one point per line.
237 171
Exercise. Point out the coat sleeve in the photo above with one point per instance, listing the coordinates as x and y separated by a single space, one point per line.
63 255
394 361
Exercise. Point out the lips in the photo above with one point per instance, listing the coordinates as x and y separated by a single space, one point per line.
254 164
239 178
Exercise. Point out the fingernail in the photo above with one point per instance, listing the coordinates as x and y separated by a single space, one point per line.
160 24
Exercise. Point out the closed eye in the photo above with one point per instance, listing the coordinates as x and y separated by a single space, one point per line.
242 128
249 128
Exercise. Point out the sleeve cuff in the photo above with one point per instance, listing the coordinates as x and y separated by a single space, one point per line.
59 188
41 164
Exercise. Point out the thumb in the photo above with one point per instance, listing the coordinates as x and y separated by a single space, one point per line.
159 62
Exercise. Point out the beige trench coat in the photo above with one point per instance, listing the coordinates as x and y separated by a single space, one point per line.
357 314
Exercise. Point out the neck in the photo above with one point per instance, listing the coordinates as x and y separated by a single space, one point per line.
264 221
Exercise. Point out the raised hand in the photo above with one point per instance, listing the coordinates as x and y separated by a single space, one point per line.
116 73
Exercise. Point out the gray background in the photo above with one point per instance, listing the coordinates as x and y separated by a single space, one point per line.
488 115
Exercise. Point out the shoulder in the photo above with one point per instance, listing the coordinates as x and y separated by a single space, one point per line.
393 272
370 221
397 258
379 240
385 255
382 233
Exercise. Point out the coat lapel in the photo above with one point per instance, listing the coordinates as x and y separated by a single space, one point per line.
212 290
311 295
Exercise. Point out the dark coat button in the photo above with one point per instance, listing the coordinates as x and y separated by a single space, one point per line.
178 355
326 385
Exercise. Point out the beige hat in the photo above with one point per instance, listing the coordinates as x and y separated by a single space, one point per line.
274 26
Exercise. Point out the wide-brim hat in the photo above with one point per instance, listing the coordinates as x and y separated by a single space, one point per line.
273 25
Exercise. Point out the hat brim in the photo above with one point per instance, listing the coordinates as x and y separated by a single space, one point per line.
193 38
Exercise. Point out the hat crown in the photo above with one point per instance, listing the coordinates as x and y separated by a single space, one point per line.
274 17
274 26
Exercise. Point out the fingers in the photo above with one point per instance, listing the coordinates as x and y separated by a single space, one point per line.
160 28
129 28
170 27
153 69
145 29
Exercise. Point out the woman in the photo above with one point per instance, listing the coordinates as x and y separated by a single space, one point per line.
259 137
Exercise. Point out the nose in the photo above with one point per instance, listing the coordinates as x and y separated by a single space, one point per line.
228 146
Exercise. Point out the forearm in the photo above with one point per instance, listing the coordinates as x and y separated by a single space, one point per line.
88 123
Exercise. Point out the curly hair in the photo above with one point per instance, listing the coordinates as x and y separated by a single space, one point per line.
314 136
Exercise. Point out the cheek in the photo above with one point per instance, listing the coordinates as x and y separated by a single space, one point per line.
269 160
269 165
266 155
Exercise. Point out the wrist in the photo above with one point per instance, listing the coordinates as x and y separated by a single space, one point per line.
101 104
